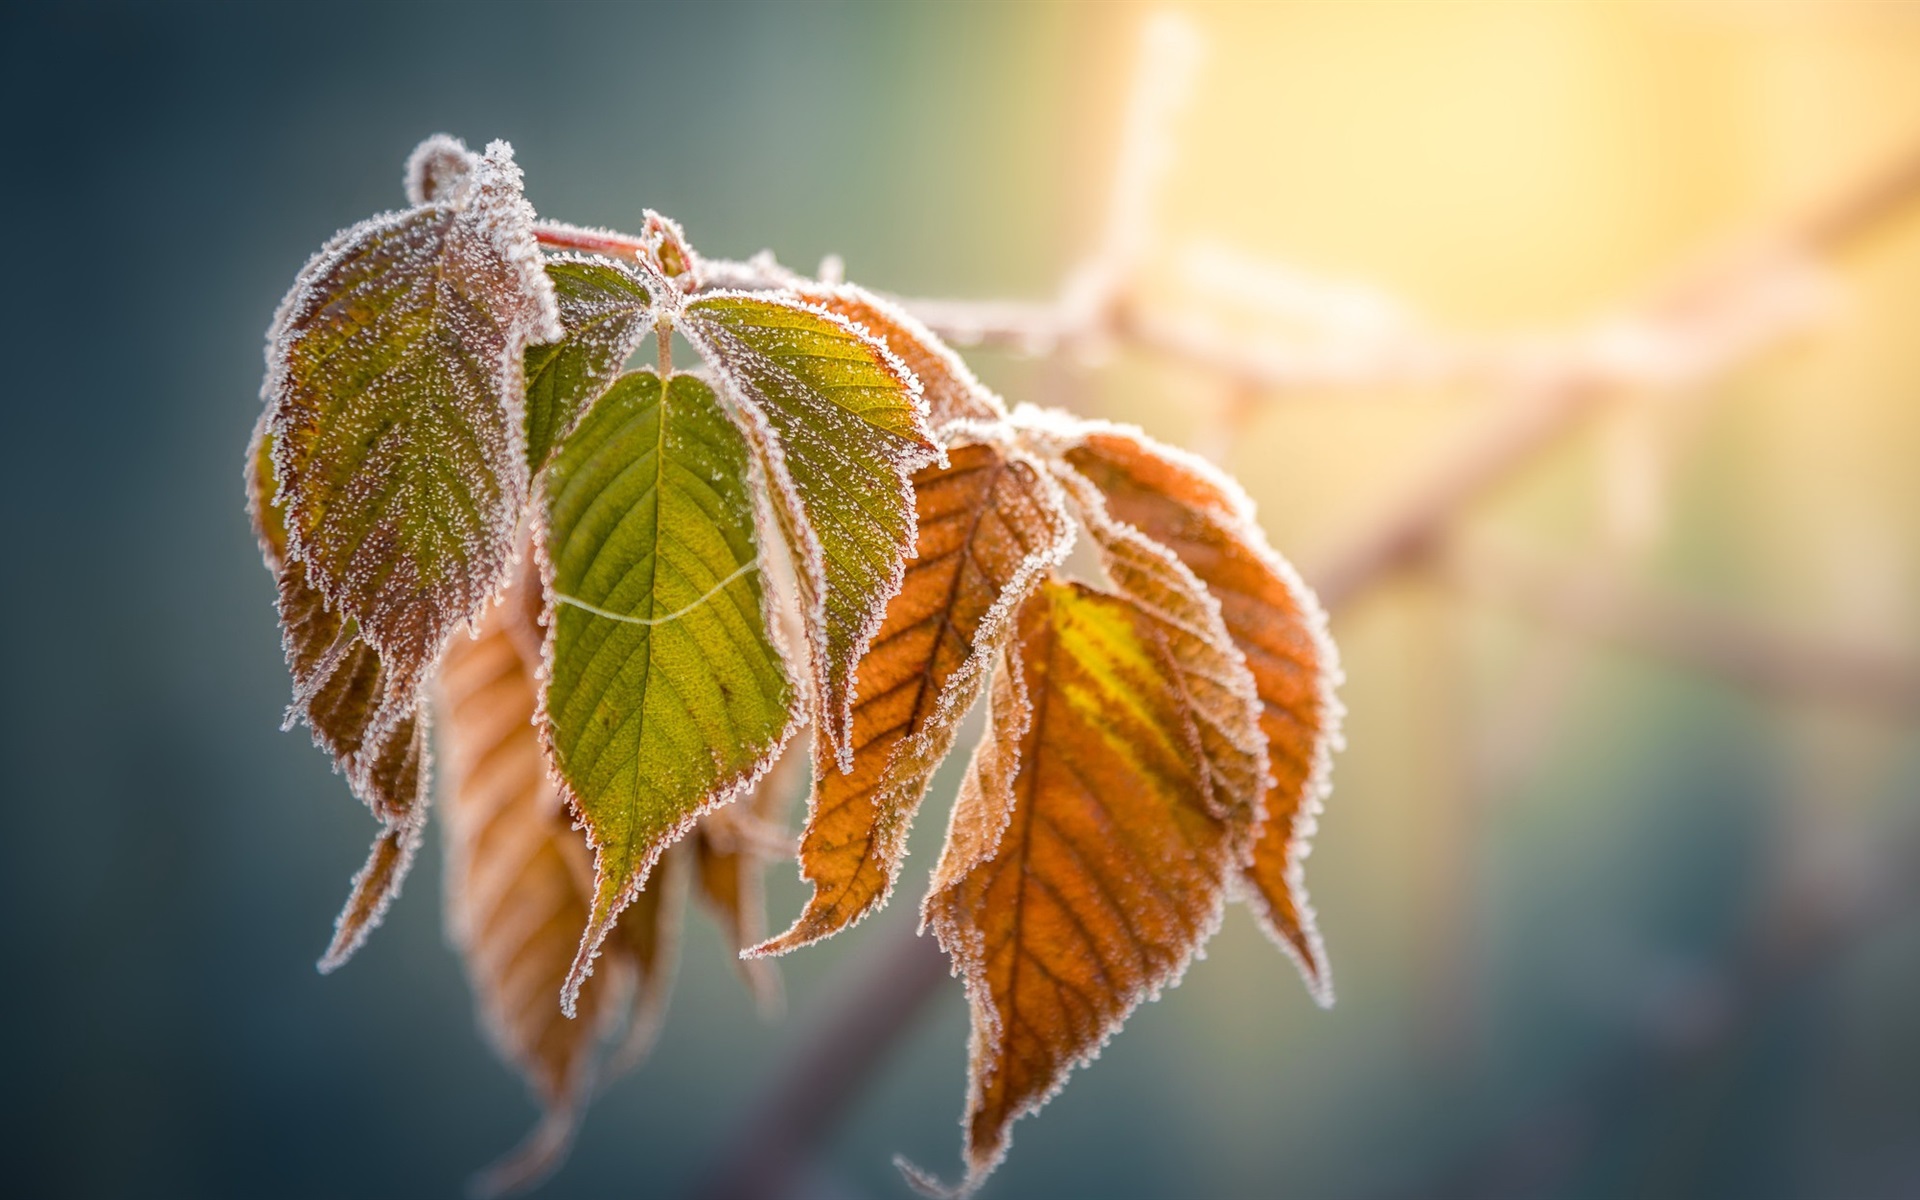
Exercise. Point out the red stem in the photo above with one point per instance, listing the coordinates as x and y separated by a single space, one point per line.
593 241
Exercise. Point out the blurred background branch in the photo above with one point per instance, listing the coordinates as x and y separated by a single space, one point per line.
1145 290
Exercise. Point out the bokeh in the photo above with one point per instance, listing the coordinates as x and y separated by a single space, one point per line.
1608 915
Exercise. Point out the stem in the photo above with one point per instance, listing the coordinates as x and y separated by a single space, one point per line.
593 241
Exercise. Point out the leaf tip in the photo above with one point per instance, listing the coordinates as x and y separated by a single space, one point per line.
923 1181
438 170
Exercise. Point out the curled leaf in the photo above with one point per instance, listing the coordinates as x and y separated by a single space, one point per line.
338 682
394 396
1205 519
439 171
839 426
991 525
666 694
1086 862
604 310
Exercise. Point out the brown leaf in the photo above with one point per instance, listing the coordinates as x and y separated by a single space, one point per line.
990 527
338 686
952 393
519 883
394 396
1207 521
731 851
1086 862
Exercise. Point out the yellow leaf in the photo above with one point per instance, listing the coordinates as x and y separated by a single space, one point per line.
1205 519
1087 861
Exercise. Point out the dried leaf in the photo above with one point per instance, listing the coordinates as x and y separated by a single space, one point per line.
647 939
839 426
519 881
374 888
1212 674
519 887
666 694
604 310
730 856
951 391
439 171
1205 519
1086 863
337 685
394 395
991 525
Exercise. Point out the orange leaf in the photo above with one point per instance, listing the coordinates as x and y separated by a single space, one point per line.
1087 861
519 883
1205 519
952 393
990 527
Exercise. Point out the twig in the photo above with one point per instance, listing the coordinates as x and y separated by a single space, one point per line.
1690 634
851 1035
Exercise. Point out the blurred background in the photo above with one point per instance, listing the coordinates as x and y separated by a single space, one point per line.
1619 874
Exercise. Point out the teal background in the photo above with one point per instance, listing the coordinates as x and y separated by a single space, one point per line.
171 862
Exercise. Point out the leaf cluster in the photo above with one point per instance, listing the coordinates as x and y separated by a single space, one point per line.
666 574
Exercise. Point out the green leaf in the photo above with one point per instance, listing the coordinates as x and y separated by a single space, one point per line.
604 309
394 393
667 693
840 425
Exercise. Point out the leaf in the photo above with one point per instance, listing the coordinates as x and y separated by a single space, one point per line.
991 526
1085 864
951 391
394 397
1211 673
519 883
604 310
1205 519
337 684
374 889
839 426
439 171
399 765
666 693
730 855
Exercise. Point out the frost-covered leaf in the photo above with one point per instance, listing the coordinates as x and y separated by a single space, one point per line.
991 525
730 854
338 683
439 170
1212 673
604 309
951 391
377 884
1086 863
394 396
840 427
666 693
519 883
1206 520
